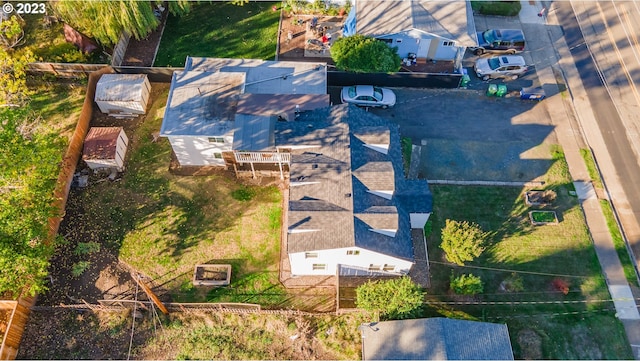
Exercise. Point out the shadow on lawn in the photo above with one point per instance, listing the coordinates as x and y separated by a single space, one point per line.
563 254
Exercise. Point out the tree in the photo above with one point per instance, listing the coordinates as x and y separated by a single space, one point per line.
466 284
115 16
363 54
462 241
30 165
395 299
13 77
11 33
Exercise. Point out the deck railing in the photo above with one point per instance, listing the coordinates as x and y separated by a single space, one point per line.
262 157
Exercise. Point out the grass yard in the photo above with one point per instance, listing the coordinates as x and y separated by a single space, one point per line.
163 225
221 30
557 311
48 44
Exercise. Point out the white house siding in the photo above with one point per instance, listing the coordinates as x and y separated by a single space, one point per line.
442 51
301 265
199 151
405 43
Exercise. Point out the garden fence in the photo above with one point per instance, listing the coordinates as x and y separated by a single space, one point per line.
64 70
123 305
400 79
120 49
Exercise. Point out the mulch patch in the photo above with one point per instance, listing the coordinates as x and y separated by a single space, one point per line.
143 52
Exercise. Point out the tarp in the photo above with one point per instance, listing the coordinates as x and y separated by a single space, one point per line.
350 23
83 42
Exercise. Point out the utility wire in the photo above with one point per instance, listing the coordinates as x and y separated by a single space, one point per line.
507 270
133 318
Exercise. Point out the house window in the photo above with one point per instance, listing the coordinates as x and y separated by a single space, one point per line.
353 252
448 43
374 267
311 255
216 140
398 41
388 41
319 266
388 268
217 155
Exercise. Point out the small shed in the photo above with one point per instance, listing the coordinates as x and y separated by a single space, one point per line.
123 94
105 147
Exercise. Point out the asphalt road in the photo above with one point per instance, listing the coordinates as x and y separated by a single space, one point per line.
610 123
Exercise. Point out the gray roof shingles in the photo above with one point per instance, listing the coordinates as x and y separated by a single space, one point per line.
436 339
335 169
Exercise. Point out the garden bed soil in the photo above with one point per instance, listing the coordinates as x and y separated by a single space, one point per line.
539 197
142 52
105 277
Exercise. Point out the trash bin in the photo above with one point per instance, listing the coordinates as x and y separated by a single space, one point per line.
465 81
492 90
532 94
502 90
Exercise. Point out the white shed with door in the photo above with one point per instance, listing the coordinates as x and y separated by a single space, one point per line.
123 94
105 147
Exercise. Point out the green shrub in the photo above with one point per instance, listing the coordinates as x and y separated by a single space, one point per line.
395 299
79 268
87 248
466 284
61 53
501 8
462 241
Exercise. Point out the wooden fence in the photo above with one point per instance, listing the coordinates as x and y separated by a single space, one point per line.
64 70
15 328
120 49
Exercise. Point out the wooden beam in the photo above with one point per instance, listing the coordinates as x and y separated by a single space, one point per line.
152 296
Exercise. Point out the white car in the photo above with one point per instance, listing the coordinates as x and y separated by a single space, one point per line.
368 96
508 66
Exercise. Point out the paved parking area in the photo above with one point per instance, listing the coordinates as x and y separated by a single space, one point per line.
469 136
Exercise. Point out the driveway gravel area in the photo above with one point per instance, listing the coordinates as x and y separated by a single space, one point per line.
468 136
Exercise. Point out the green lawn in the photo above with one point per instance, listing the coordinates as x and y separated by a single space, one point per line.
221 30
543 257
618 242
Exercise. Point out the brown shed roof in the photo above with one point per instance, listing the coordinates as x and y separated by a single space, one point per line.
101 143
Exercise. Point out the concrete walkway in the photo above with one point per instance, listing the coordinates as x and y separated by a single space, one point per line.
569 115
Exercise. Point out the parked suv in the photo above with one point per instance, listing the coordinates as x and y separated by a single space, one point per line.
506 66
507 41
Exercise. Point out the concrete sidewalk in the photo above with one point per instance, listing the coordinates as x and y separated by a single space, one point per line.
554 63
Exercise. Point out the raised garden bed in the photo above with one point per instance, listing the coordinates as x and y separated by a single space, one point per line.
539 218
212 275
539 197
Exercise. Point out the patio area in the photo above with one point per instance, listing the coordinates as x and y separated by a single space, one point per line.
299 40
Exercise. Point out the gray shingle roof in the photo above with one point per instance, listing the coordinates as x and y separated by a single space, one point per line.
376 176
331 179
436 339
372 135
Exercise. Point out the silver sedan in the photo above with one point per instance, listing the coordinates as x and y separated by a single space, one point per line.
368 96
